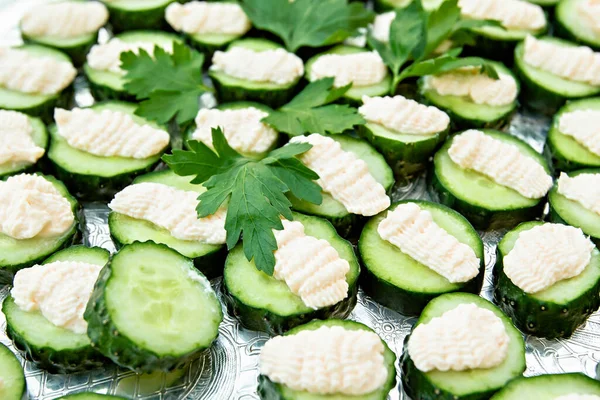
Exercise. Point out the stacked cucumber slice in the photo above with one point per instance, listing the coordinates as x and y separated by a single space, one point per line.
134 14
13 380
39 135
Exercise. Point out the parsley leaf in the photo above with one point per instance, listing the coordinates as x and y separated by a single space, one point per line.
312 23
254 191
310 111
169 84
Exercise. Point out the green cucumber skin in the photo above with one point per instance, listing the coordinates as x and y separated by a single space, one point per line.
271 98
45 110
536 97
77 53
553 216
20 392
493 49
258 319
127 20
561 163
105 93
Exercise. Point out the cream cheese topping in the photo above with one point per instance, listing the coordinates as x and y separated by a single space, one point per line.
30 207
579 63
107 56
109 133
501 162
403 115
200 17
17 143
416 234
582 188
171 209
242 128
68 19
512 14
381 26
464 338
274 66
25 72
584 127
343 175
546 254
59 290
328 360
589 11
475 86
310 267
360 69
575 396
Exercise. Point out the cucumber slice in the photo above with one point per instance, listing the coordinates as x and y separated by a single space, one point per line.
571 25
124 230
387 5
108 85
476 384
96 177
39 135
128 15
498 43
13 379
554 312
550 386
570 212
333 210
50 347
544 91
355 94
398 281
270 390
466 114
152 310
481 200
90 396
229 88
37 105
16 254
263 303
567 153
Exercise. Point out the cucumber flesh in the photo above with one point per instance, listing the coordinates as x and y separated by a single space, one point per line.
11 373
39 135
137 14
76 47
550 386
573 25
385 5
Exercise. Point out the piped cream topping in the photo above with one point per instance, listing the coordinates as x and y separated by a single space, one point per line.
18 147
201 17
107 56
66 19
381 26
360 69
512 14
582 188
589 12
584 127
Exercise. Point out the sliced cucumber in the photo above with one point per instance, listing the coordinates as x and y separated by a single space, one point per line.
230 89
544 91
466 114
475 384
355 94
498 43
332 209
571 25
152 310
567 153
270 390
263 303
124 230
108 85
16 254
554 312
50 347
550 386
96 177
37 105
11 375
39 135
90 396
387 5
570 212
482 201
398 281
126 15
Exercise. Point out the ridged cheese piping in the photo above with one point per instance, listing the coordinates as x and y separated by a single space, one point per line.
381 26
403 115
501 162
578 397
17 144
464 338
589 11
416 234
107 56
328 360
343 175
171 209
546 254
242 128
59 290
310 267
200 17
109 133
359 69
68 19
582 125
582 188
274 66
512 14
476 86
31 207
574 63
25 72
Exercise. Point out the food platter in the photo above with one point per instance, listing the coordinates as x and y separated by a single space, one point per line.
228 370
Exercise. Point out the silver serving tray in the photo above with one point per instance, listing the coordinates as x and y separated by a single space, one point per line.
229 370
